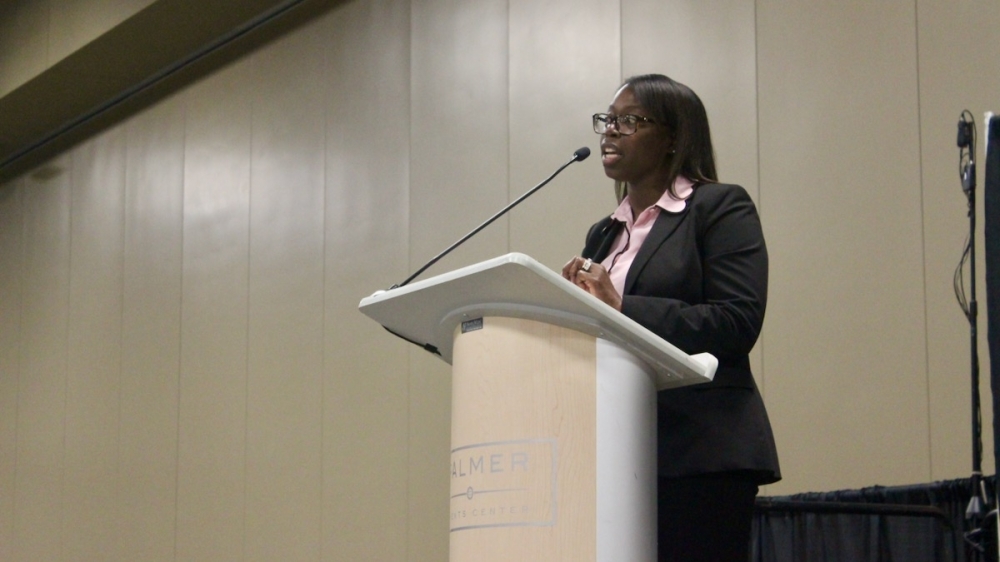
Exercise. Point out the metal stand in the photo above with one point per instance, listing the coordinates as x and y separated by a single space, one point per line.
978 504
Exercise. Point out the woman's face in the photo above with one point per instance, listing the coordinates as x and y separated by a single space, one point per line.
639 157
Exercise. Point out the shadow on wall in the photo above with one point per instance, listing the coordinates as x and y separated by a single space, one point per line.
34 132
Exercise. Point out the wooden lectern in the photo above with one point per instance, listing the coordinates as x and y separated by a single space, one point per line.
553 433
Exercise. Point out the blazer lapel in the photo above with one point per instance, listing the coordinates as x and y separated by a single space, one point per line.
664 226
602 239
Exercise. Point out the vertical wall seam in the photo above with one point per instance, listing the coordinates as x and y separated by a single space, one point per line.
760 188
409 252
621 41
246 335
48 38
65 359
21 250
510 138
180 324
119 512
324 324
923 244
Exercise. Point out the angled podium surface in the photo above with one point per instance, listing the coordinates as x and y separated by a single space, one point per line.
553 410
516 286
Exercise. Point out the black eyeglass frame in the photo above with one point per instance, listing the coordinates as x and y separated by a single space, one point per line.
626 124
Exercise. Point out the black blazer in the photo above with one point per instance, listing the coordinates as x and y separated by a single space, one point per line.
700 282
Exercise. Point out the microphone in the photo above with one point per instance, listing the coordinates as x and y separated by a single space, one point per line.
580 155
966 141
964 138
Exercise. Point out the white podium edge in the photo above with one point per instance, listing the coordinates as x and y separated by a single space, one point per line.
626 460
671 366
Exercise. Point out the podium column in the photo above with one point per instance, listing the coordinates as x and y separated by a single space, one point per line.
553 442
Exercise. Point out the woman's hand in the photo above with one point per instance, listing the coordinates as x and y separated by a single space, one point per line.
593 278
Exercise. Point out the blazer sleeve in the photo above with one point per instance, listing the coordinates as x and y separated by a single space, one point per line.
705 287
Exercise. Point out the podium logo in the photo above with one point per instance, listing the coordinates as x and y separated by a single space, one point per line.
504 484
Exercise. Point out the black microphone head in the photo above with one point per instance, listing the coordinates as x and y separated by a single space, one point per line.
581 154
964 134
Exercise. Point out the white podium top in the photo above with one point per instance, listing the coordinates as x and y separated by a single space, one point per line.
517 286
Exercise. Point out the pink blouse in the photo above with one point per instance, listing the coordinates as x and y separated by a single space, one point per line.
636 229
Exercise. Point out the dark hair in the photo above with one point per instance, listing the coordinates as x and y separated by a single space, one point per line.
679 109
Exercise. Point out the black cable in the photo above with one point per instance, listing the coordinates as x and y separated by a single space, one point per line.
958 280
426 346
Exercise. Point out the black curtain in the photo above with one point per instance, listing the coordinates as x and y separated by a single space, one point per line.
916 523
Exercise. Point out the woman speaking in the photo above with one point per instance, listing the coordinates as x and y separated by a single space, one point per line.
684 256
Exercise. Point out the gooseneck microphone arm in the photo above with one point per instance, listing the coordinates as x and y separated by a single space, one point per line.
578 156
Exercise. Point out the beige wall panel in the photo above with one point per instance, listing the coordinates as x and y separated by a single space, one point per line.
41 397
458 179
365 391
846 368
458 163
74 23
211 469
711 47
11 256
24 36
285 365
565 63
183 370
151 328
953 77
430 442
94 348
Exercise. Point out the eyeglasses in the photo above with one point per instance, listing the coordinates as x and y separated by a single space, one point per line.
626 124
